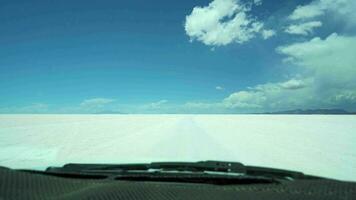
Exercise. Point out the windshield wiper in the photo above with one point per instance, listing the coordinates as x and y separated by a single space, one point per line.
216 172
213 172
202 166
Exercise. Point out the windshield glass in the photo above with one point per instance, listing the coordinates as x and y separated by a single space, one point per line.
263 82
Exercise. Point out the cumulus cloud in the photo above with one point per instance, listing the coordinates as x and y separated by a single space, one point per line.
329 78
326 67
269 96
293 84
268 33
332 59
245 99
333 56
338 8
307 11
222 22
257 2
331 63
303 28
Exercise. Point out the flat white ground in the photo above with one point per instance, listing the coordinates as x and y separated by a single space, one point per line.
323 145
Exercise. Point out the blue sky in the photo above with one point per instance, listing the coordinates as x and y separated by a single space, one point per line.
221 56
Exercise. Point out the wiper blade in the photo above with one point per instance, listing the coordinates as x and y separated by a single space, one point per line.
211 172
217 179
207 168
212 166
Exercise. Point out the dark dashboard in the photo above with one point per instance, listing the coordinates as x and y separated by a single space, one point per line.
17 184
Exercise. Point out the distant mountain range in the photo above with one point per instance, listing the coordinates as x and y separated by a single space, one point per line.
314 112
284 112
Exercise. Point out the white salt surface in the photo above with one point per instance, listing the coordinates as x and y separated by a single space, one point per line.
323 145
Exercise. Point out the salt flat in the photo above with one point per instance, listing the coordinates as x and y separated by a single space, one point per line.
323 145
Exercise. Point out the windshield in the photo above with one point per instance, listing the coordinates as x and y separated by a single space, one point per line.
267 83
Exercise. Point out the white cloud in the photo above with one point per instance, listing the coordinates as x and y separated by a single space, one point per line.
328 79
326 67
307 11
219 88
269 96
222 22
303 28
333 57
346 96
96 102
293 84
257 2
268 33
245 99
338 8
332 65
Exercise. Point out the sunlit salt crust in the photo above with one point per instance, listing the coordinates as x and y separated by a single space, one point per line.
323 145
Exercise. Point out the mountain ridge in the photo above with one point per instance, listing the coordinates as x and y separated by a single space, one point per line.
313 112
